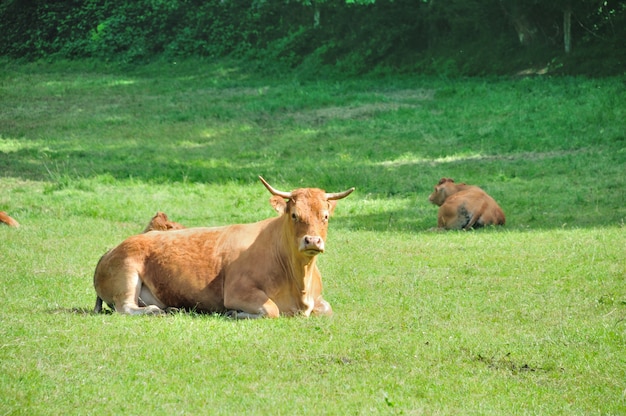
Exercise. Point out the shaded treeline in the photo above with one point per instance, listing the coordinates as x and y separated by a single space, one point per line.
450 37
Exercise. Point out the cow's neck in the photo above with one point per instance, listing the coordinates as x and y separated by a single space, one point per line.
298 268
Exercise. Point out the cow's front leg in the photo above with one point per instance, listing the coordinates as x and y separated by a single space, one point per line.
248 307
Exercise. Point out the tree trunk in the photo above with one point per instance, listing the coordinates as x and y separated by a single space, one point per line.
316 15
567 28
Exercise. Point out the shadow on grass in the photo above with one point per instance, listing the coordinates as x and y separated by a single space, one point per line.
83 311
74 311
548 189
570 198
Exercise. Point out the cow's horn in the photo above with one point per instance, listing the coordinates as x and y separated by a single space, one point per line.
286 195
339 195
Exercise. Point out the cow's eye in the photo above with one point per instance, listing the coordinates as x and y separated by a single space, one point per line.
325 217
294 216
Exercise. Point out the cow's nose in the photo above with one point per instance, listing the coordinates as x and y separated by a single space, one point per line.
312 242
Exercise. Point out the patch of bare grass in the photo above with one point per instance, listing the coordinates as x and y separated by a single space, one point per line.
322 115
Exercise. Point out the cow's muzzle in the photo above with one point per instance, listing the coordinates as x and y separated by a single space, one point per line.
312 245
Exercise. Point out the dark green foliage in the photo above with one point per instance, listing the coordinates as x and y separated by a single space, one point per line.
455 37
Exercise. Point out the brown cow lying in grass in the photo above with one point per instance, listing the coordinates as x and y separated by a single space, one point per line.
4 218
262 269
464 206
160 222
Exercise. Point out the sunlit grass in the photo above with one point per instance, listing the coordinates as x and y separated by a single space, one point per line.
523 319
14 145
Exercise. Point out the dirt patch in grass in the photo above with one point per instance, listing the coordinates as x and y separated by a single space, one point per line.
420 94
390 101
322 115
507 363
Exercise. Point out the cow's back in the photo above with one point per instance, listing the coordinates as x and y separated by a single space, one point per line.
180 268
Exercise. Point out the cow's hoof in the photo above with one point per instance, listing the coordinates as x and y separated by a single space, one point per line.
153 310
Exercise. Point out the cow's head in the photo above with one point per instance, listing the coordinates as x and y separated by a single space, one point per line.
444 188
308 211
160 222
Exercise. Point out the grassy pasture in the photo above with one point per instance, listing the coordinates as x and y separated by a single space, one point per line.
526 319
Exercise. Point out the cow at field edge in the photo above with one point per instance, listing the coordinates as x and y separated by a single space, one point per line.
263 269
160 222
4 218
464 206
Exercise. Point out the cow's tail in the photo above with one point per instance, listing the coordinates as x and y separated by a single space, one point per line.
98 307
476 214
472 221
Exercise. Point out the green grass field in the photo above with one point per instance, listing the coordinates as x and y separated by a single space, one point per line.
526 319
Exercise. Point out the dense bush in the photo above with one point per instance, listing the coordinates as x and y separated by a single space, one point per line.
454 37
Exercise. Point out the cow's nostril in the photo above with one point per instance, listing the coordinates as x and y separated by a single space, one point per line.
313 241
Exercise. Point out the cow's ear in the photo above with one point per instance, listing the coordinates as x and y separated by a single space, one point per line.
279 204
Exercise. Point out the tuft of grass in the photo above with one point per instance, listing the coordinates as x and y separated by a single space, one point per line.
524 319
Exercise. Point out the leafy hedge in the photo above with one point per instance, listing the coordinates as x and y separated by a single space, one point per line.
454 37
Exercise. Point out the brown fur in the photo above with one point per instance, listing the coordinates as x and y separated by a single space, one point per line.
254 270
4 218
464 206
160 222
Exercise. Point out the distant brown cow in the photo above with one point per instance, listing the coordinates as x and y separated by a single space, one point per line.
160 222
464 206
4 218
264 269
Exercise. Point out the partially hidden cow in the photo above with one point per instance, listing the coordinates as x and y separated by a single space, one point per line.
4 218
464 206
263 269
160 222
